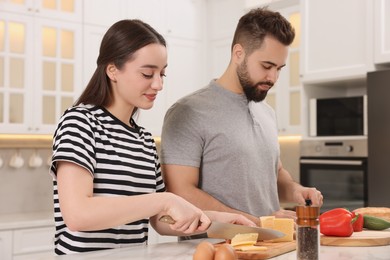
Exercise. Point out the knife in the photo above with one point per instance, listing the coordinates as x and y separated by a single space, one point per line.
228 231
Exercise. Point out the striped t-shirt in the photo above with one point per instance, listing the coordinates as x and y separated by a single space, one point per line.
122 160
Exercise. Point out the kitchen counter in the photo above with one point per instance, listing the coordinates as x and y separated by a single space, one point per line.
184 250
26 220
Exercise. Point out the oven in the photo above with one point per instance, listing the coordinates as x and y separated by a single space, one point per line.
338 168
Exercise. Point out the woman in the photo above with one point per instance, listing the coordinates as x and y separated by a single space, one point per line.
107 179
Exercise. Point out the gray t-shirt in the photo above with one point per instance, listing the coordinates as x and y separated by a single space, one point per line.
234 144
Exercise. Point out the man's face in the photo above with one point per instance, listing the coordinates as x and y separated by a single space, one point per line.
259 71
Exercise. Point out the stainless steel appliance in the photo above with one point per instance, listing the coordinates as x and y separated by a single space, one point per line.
378 93
338 168
338 116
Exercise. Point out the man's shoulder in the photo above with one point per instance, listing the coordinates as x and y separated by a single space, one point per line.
199 98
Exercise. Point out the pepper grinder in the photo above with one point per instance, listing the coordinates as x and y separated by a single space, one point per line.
308 235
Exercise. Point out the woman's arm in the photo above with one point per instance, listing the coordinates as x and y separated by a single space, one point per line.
84 212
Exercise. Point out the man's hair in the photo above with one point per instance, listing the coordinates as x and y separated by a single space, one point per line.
258 23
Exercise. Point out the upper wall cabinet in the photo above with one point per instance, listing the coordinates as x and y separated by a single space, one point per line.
40 65
285 96
104 13
181 22
68 10
382 31
178 18
337 39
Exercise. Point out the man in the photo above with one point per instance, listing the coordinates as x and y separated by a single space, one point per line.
220 144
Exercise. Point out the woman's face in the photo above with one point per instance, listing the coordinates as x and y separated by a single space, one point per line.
140 79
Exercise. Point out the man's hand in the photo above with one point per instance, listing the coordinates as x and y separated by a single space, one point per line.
303 193
283 213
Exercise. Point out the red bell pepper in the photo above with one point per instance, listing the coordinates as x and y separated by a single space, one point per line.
336 222
357 222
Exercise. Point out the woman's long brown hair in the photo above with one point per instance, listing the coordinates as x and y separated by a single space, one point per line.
118 46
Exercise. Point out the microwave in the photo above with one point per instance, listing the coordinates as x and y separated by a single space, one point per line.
338 116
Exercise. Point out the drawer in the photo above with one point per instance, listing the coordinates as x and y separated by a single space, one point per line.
33 240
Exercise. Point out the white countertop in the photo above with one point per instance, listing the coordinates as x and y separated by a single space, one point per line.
177 250
184 250
26 220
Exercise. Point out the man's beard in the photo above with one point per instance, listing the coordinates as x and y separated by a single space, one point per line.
251 90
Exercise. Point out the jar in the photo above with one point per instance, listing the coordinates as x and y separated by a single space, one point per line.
308 235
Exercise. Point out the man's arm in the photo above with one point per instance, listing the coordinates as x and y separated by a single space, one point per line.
183 181
291 191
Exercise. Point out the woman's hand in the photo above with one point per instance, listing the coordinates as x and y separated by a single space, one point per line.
188 218
230 218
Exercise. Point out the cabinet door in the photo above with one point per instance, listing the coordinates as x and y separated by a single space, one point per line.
69 10
285 97
33 240
338 39
185 18
57 71
382 31
184 75
92 37
151 12
16 60
17 6
103 12
6 245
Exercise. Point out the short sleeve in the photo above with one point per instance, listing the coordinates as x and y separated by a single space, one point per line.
74 141
181 140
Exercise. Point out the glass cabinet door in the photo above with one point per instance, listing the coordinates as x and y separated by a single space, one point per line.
285 96
40 70
58 72
15 58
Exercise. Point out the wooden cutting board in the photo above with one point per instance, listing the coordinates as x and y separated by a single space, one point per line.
364 238
273 249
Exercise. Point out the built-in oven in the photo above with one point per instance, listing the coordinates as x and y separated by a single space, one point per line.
338 168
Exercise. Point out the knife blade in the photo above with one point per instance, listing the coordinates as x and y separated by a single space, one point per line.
228 230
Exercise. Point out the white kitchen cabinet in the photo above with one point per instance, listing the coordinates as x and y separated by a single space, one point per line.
68 10
5 245
285 97
382 31
104 13
337 40
175 18
33 240
184 75
40 69
92 37
181 22
27 243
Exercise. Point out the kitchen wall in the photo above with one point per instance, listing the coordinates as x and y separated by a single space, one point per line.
289 154
25 189
28 189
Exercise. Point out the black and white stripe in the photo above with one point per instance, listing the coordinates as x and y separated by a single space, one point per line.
122 161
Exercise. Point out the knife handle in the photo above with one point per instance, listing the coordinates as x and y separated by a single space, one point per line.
167 219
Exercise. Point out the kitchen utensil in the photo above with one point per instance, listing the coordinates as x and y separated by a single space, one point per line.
364 238
228 231
16 161
35 160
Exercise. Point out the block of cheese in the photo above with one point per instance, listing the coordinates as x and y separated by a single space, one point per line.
267 222
250 248
244 239
285 225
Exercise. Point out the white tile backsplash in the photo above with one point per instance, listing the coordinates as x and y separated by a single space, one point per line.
25 189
